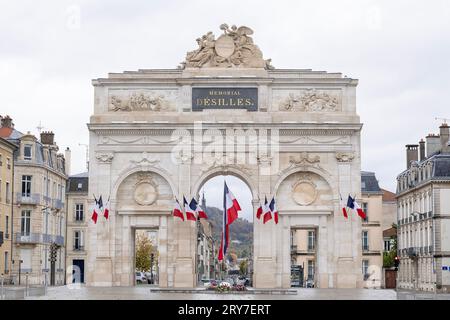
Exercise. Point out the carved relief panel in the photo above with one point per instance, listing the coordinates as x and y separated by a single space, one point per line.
120 100
308 100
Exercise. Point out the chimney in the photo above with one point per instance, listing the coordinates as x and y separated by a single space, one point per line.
7 122
445 136
411 154
67 157
422 150
47 137
433 144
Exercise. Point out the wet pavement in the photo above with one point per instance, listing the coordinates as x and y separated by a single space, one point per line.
144 293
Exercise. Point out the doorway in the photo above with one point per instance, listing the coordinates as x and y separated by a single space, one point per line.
79 265
146 257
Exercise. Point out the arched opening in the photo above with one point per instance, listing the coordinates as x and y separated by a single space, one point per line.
237 266
304 197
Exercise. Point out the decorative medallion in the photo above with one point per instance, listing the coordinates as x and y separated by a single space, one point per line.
145 191
345 156
304 191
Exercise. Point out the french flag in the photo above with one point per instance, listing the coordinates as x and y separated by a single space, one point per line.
259 211
231 205
352 204
344 207
230 213
177 211
266 211
96 210
190 213
197 209
273 208
106 211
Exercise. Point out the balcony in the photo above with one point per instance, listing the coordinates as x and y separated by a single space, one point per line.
59 240
57 204
28 238
33 198
412 252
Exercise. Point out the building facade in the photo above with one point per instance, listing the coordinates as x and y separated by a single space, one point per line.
78 214
372 233
289 133
38 223
423 212
6 209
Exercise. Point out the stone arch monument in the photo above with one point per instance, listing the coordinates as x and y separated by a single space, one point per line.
156 134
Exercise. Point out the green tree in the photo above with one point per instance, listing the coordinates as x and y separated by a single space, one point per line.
144 249
243 267
389 257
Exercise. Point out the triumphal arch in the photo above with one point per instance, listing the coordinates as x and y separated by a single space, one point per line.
157 134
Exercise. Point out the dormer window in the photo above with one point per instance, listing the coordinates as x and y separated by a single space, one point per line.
27 152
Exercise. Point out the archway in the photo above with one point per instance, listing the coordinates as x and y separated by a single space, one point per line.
238 264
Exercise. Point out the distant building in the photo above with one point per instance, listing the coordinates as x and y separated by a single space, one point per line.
38 206
207 263
78 216
6 207
423 195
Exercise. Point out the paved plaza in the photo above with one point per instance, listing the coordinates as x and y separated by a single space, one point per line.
145 293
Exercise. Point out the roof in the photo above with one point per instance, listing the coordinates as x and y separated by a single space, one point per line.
80 175
10 133
388 196
78 184
391 232
369 183
5 142
441 166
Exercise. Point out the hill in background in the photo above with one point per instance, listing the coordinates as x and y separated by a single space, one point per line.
241 232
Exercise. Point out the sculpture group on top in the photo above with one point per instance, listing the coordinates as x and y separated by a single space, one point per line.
234 48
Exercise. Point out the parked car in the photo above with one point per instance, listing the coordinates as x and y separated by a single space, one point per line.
140 277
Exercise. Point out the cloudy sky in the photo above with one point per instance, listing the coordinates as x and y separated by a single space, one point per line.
399 50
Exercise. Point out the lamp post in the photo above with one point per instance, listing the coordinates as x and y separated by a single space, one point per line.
151 268
20 267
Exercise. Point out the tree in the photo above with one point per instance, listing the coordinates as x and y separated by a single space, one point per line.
389 257
144 249
243 267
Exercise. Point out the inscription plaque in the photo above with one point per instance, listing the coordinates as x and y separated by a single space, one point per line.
224 98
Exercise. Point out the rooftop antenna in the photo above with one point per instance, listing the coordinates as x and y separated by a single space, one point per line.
87 154
443 119
40 127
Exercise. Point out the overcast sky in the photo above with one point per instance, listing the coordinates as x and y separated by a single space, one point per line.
399 50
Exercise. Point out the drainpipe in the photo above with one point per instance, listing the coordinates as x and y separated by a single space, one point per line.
12 210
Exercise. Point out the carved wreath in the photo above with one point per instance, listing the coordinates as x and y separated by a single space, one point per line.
304 191
145 190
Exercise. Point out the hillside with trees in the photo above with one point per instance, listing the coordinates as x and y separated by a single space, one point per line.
241 233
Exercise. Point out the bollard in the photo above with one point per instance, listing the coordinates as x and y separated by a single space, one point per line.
26 284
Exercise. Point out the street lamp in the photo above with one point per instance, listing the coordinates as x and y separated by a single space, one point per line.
151 268
20 267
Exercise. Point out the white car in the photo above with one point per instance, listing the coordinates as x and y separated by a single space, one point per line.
140 277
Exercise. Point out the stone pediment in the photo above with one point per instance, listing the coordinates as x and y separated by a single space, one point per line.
233 49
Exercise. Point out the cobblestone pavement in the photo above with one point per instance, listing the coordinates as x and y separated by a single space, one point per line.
143 293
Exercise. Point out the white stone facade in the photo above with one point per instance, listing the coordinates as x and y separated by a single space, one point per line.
318 157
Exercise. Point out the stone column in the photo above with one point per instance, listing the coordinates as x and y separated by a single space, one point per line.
185 232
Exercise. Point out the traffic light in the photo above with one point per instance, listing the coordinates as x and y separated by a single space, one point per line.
396 262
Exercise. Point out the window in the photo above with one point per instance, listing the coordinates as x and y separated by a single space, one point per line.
78 240
27 151
7 196
26 186
365 240
6 227
311 240
8 163
79 212
365 268
1 160
79 186
310 269
6 263
387 245
25 223
365 208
